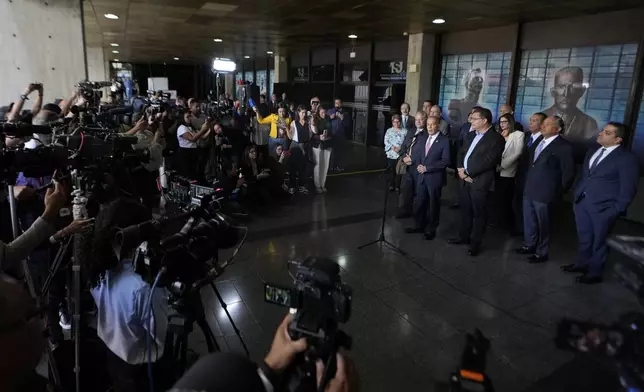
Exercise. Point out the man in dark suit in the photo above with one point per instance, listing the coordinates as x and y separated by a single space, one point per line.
532 139
430 158
607 185
408 183
459 139
550 175
406 120
476 166
273 105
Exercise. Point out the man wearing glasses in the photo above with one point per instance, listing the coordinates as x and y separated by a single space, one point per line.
476 166
567 91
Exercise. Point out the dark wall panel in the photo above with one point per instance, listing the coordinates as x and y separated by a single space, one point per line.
391 50
497 39
300 59
323 56
602 29
188 80
362 54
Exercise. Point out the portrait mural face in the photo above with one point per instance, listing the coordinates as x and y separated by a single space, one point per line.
587 87
469 80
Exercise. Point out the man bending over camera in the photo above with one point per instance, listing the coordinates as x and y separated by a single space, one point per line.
121 295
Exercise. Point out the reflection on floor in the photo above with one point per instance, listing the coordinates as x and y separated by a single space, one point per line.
410 317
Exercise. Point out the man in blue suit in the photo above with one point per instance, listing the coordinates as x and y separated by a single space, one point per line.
551 171
430 158
606 187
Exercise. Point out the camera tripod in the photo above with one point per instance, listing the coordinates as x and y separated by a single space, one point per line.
381 239
184 313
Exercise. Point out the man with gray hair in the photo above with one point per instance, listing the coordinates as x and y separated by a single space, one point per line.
566 92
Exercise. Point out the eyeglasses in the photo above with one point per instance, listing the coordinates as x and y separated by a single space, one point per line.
315 102
503 121
476 118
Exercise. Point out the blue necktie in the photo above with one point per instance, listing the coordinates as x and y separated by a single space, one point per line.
540 148
530 141
596 161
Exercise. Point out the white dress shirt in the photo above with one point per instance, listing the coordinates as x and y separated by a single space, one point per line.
544 142
596 154
535 136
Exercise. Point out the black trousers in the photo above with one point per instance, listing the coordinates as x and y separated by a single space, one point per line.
517 206
473 203
134 378
188 161
299 161
407 191
394 179
427 207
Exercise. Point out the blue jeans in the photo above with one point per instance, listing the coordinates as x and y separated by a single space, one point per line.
274 141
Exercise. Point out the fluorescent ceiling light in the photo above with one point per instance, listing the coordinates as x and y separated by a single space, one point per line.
111 16
176 58
246 57
115 51
438 21
353 36
223 65
218 40
269 52
113 44
116 60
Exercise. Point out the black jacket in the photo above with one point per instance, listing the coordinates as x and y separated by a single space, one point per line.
552 174
486 156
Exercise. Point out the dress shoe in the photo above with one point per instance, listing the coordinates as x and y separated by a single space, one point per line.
413 230
585 279
536 259
430 236
524 250
574 269
474 250
457 241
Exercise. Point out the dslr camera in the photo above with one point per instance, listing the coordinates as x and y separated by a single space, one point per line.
320 302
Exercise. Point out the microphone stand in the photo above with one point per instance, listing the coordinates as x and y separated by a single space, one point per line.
381 239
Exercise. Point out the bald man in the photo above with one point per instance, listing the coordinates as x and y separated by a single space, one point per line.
566 92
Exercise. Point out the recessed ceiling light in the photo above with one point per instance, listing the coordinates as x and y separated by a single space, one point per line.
269 52
115 51
116 60
176 58
438 21
405 33
113 44
111 16
218 40
246 57
353 36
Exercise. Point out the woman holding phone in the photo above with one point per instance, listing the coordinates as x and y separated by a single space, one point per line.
321 145
188 153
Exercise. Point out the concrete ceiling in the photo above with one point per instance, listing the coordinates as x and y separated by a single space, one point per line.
159 30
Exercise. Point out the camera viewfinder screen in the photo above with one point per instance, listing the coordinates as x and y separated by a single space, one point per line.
277 295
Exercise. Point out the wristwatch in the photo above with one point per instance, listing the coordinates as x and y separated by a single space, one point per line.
24 97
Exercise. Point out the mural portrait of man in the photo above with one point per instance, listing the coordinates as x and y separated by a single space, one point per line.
566 92
459 109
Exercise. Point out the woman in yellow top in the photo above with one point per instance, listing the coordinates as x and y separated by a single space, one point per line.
279 126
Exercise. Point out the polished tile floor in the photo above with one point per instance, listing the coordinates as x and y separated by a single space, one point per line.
410 316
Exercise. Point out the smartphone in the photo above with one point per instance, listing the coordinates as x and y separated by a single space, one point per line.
277 295
251 103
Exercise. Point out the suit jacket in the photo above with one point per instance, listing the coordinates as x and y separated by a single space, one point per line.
272 107
410 124
436 160
444 128
511 154
552 174
486 156
524 161
612 184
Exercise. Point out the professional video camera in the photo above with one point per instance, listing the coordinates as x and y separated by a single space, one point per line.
322 302
624 340
90 91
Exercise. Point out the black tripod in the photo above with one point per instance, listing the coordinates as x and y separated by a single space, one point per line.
382 240
185 312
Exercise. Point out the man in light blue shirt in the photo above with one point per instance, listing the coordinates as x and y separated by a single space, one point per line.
124 320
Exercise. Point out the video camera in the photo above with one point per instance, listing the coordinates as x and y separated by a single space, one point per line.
321 303
623 341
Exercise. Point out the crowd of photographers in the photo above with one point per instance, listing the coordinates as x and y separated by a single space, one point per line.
186 136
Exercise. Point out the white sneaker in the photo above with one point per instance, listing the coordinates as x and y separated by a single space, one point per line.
302 190
65 322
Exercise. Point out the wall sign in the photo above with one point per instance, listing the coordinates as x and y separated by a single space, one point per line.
392 71
300 74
